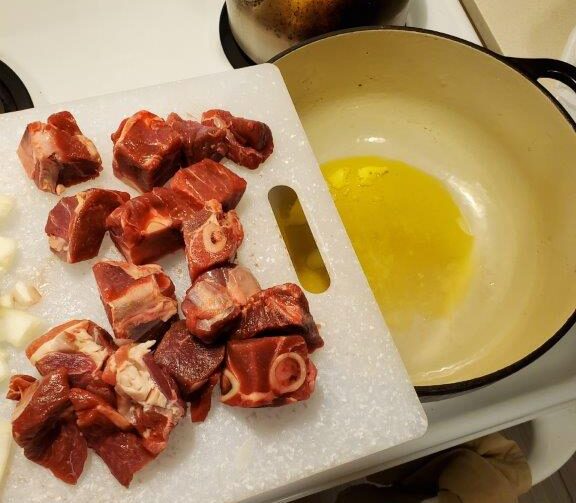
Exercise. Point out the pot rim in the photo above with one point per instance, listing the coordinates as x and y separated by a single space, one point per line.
470 384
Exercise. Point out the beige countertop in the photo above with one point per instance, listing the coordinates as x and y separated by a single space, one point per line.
526 28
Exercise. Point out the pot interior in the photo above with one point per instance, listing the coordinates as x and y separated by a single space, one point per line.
497 143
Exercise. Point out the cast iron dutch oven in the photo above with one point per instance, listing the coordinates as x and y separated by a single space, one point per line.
503 146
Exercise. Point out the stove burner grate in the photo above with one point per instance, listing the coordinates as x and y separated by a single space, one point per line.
236 56
13 93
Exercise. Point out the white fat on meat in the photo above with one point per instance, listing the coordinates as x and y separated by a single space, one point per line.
136 304
73 339
134 380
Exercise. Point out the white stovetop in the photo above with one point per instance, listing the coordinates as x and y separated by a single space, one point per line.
68 50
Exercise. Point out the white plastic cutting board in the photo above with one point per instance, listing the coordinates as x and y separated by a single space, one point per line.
364 402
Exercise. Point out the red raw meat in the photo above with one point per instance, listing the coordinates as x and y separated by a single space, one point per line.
186 359
79 346
111 435
139 300
249 142
213 302
198 141
208 180
147 151
43 427
57 155
66 454
279 310
77 224
201 400
150 397
267 372
19 383
150 226
212 238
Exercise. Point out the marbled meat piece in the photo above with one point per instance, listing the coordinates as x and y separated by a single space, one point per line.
140 301
198 141
147 396
278 310
188 360
208 180
212 238
43 426
267 372
110 435
249 142
149 226
77 224
213 303
79 346
147 151
56 154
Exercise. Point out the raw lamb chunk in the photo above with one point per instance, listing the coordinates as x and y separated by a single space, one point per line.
249 142
212 238
150 226
189 361
147 396
213 303
267 372
110 435
147 151
43 426
79 346
139 300
198 141
207 180
279 310
77 224
56 154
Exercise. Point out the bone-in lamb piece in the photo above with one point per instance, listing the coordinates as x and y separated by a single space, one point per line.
208 180
191 364
79 346
77 224
198 141
56 154
213 303
110 435
150 226
147 151
212 238
271 371
43 426
147 396
278 310
249 142
139 300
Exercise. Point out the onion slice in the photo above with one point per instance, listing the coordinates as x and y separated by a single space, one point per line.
7 253
17 328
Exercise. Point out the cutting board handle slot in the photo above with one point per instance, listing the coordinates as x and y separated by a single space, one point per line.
299 240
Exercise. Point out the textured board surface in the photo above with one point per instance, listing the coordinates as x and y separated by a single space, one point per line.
364 402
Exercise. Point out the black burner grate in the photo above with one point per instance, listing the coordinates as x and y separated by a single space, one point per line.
236 56
13 93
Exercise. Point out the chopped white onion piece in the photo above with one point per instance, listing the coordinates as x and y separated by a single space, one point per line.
7 252
6 300
25 295
5 443
6 205
18 328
